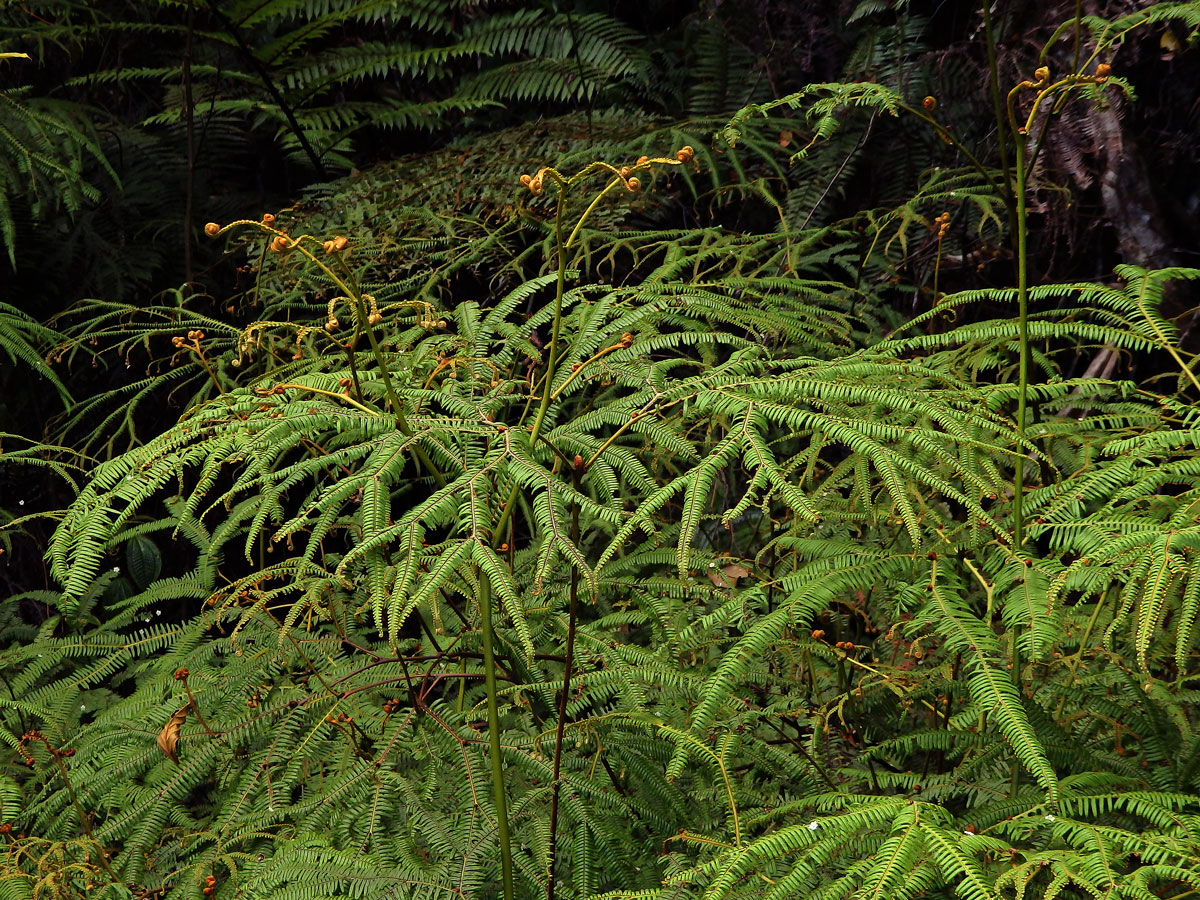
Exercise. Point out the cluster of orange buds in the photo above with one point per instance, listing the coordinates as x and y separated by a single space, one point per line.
845 646
533 182
337 245
267 392
340 717
194 337
210 885
181 674
391 705
818 635
632 182
943 225
253 702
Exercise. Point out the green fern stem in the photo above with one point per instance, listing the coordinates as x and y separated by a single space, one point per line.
485 599
1023 344
552 359
485 584
506 511
561 246
1022 248
556 327
568 665
494 753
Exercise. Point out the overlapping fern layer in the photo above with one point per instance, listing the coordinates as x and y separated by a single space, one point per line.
771 535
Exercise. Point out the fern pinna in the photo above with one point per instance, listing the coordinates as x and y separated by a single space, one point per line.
661 569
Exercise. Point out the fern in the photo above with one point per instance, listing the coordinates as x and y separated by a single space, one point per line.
512 542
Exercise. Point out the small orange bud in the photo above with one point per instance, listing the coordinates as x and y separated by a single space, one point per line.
818 634
340 243
331 324
535 185
642 160
1041 74
525 179
624 171
279 244
374 318
268 219
328 245
1103 70
929 104
634 184
212 229
685 153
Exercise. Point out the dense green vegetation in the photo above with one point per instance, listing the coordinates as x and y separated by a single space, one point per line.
654 452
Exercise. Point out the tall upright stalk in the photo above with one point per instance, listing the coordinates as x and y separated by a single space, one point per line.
1021 132
553 358
1018 512
564 695
494 751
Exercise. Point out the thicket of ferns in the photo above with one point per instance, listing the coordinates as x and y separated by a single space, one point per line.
668 571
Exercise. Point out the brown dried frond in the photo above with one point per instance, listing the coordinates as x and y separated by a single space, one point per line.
168 738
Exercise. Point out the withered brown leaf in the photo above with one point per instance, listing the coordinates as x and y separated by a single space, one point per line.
168 738
727 576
